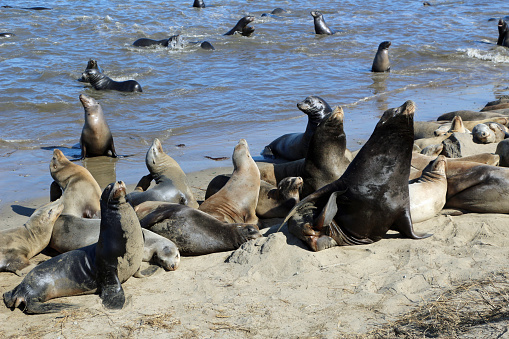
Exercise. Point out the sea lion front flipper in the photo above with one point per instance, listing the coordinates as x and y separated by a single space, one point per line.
404 226
328 212
112 293
144 183
55 192
112 149
147 272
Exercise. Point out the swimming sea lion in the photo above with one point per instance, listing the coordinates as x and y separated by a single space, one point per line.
71 233
18 245
236 201
295 146
370 198
193 231
174 42
502 28
325 160
81 192
320 25
7 35
199 4
381 62
242 27
102 266
171 183
427 194
91 64
275 12
100 82
96 138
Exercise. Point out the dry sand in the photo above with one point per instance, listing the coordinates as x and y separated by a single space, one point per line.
451 284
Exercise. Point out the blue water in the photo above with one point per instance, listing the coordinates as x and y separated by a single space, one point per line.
443 57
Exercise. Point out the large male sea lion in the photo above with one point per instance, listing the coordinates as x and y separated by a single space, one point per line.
320 25
381 62
193 231
295 146
96 138
171 183
71 233
236 201
370 198
18 245
81 192
101 82
102 266
243 27
325 161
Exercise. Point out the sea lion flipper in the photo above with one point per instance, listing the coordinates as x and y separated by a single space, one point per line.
55 191
147 272
328 212
112 149
112 293
36 307
404 226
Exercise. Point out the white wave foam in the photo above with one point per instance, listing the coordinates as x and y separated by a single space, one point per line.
493 55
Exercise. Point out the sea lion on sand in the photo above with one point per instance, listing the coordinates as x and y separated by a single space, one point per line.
432 150
193 231
456 126
236 201
324 162
81 192
101 82
427 194
102 266
96 138
381 62
470 115
171 183
370 198
199 4
273 202
295 146
18 245
489 132
242 27
320 25
71 233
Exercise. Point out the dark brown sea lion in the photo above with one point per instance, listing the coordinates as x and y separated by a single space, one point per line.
236 201
199 4
96 138
324 162
91 64
71 233
471 115
81 192
102 266
370 198
18 245
320 25
243 27
175 41
171 183
295 146
101 82
193 231
381 62
502 29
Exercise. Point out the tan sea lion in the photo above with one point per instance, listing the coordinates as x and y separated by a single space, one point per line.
428 193
96 138
18 245
102 266
236 201
455 126
171 184
81 193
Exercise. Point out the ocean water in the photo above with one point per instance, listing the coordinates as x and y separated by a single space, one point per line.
443 57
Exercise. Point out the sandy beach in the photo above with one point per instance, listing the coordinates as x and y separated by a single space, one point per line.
450 284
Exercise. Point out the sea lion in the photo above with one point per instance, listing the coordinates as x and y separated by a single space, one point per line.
7 35
502 28
427 194
102 266
96 138
91 64
174 42
320 25
207 46
275 12
101 82
81 192
370 198
71 233
273 202
242 27
171 183
432 150
480 189
470 115
325 161
489 132
381 62
456 126
18 245
193 231
199 4
425 142
501 103
35 8
295 146
236 201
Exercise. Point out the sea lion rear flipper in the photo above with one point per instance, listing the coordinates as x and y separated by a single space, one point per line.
36 307
404 226
147 272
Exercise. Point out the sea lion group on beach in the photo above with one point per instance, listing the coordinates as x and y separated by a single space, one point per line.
407 172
